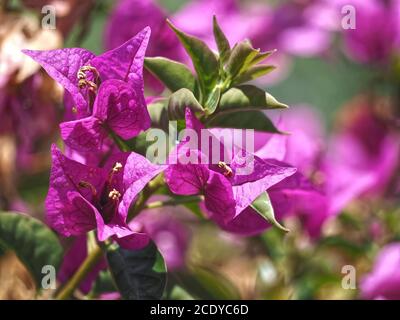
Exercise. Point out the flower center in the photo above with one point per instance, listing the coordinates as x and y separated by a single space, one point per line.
114 194
227 170
83 80
108 200
88 185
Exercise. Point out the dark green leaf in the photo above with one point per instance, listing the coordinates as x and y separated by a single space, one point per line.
256 120
222 42
248 97
340 243
179 101
173 74
32 241
104 283
263 206
204 60
138 274
254 72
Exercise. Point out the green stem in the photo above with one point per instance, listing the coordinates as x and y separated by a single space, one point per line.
118 141
174 202
87 265
147 192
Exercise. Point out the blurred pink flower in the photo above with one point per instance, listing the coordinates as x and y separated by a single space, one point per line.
361 160
358 161
383 282
299 194
28 114
377 32
131 16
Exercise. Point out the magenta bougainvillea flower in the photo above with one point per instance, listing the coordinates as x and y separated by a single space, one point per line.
383 282
106 92
227 194
83 198
373 42
117 108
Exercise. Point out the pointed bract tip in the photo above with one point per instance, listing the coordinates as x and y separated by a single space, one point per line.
146 30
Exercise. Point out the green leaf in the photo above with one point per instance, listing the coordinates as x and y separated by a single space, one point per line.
263 206
179 101
138 274
204 283
174 75
222 42
340 243
178 293
32 241
158 111
195 208
213 100
104 283
241 66
254 72
204 60
252 119
241 58
248 97
261 56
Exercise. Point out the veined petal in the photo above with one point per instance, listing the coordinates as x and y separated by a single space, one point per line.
63 204
137 174
266 174
63 65
119 105
125 62
87 134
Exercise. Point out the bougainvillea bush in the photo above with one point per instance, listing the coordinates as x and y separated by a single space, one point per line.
199 149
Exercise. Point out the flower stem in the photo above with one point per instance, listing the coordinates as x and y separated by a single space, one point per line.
147 192
87 265
118 141
174 202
